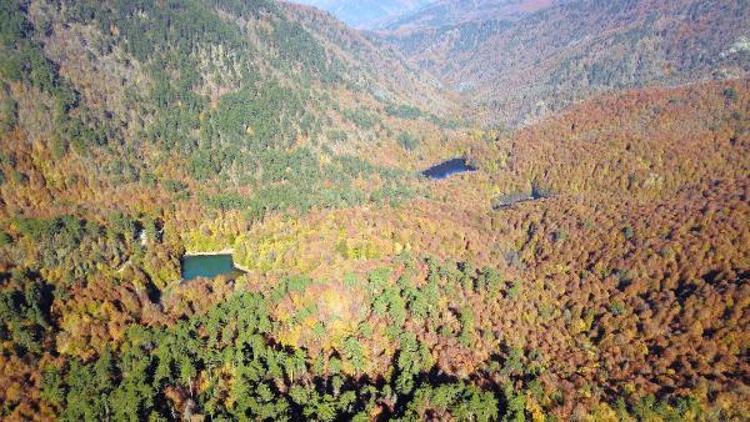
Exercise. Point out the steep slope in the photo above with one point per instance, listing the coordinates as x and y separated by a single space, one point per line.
226 94
365 14
521 69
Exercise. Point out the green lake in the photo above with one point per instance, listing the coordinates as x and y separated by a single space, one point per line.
208 266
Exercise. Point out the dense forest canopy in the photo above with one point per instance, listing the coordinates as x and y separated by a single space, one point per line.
595 266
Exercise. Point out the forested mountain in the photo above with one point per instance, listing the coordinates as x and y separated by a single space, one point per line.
366 14
448 13
519 68
594 265
229 94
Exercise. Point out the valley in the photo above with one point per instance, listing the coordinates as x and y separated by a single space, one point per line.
488 210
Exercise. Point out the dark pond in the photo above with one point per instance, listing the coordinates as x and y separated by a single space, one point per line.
208 266
507 201
447 168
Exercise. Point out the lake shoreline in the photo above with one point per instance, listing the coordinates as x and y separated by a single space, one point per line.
241 268
227 251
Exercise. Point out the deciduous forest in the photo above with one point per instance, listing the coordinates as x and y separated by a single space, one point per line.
594 265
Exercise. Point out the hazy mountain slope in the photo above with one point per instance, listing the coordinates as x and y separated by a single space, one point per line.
444 13
365 14
538 64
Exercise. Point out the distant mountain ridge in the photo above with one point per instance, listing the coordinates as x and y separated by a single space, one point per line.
531 58
454 12
366 14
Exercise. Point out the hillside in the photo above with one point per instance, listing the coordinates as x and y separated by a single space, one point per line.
224 94
514 69
594 266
